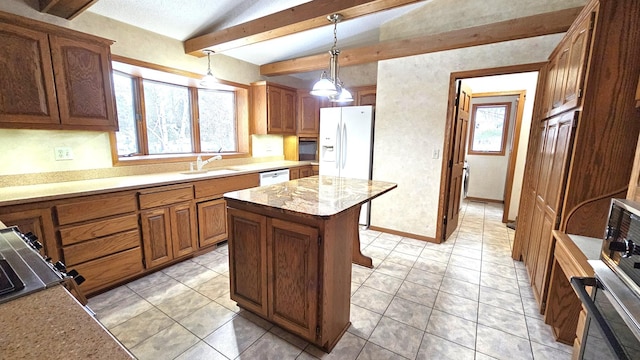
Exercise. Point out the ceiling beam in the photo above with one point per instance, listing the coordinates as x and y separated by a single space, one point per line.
520 28
67 9
306 16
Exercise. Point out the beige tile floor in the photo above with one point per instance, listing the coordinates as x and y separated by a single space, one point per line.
464 299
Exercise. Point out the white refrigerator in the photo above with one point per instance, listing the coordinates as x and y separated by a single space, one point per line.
346 145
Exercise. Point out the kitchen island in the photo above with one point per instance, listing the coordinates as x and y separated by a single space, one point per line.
291 246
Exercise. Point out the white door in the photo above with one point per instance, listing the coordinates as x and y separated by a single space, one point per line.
329 141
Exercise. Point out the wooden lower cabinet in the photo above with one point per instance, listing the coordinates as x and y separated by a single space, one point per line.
168 233
292 268
37 221
274 270
306 171
248 260
212 222
109 269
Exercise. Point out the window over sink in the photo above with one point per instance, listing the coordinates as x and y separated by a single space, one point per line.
164 114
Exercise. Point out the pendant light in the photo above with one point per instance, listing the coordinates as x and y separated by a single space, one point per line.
330 85
208 80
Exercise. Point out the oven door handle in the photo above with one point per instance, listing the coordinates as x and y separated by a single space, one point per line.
579 284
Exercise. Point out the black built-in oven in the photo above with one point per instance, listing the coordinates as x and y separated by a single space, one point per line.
612 297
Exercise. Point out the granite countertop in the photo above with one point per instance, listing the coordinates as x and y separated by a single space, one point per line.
51 324
14 195
322 196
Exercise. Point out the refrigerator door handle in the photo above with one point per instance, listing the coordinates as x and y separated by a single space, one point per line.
338 144
344 145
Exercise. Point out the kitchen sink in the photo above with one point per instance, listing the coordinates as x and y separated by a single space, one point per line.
209 172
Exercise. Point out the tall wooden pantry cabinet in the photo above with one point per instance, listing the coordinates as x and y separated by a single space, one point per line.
583 134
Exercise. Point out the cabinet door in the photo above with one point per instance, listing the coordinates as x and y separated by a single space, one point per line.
274 110
83 82
293 274
27 92
306 171
289 111
156 237
576 67
184 237
294 173
40 223
366 97
248 260
308 114
562 63
212 222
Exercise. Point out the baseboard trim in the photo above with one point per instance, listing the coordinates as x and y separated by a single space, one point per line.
475 199
404 234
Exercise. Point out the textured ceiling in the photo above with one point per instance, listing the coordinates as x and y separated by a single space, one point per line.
183 19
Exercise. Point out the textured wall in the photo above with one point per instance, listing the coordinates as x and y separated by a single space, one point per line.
411 113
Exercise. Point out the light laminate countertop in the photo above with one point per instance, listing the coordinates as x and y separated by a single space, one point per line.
14 195
51 324
321 196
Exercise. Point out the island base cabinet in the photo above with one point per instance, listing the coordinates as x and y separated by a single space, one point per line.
292 263
248 260
294 272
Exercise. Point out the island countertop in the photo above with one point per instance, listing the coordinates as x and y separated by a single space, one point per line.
321 196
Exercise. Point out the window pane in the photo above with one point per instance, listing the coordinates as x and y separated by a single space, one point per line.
168 118
127 136
217 120
489 128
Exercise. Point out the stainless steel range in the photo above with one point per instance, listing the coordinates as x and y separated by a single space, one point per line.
612 330
22 269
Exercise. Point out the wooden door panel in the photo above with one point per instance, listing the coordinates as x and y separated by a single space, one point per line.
274 109
533 244
560 164
83 82
308 114
542 262
561 71
576 67
293 271
212 222
27 83
456 159
183 229
248 259
289 111
156 237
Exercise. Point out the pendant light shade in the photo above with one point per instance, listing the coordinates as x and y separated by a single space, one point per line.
208 80
330 85
324 87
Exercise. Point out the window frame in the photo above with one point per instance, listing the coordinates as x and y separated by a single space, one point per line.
505 128
139 71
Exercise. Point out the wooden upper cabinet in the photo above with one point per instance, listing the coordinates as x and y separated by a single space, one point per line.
576 66
54 78
365 95
567 68
83 81
27 92
308 114
273 109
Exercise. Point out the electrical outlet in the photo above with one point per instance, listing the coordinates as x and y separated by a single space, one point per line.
435 154
63 153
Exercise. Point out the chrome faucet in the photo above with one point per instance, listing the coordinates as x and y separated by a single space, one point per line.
200 164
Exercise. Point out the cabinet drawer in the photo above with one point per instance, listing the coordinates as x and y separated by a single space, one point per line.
222 185
75 234
110 269
95 208
164 196
93 249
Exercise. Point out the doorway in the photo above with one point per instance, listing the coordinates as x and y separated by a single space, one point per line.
519 81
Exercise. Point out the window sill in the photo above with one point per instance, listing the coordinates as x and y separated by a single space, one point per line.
172 158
